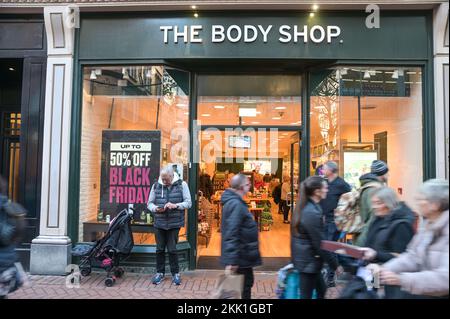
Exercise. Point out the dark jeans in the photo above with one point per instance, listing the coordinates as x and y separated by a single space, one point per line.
330 233
309 282
285 208
169 239
330 230
248 282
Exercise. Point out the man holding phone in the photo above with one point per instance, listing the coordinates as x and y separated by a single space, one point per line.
168 200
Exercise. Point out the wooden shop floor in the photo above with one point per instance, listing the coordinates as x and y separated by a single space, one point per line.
272 243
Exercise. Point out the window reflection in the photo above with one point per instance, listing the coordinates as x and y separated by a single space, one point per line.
363 113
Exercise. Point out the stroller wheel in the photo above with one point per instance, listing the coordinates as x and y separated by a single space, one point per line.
119 272
109 282
85 272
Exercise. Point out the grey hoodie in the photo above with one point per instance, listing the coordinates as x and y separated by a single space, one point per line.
185 204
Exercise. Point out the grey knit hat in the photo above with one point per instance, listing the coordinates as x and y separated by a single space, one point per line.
379 168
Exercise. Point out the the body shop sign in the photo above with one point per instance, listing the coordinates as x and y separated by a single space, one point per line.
130 166
251 33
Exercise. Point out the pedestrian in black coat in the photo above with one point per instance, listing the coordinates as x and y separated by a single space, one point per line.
336 188
306 237
240 246
390 232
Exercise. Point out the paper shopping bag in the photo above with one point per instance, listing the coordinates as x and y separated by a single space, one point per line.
229 286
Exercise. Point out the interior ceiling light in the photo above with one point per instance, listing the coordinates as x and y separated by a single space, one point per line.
395 74
247 110
276 118
194 7
206 115
280 108
219 106
311 14
93 76
315 7
366 75
11 69
196 15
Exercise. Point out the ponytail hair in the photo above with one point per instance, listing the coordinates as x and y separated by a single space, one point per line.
307 189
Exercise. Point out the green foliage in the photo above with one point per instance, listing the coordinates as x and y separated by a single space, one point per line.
266 215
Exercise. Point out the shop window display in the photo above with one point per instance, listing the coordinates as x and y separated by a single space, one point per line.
134 121
359 114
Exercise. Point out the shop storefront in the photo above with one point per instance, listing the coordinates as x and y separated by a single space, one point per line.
157 89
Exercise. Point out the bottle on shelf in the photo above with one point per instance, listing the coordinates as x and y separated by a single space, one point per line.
149 219
100 216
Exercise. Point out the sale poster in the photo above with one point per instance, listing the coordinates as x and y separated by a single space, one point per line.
130 166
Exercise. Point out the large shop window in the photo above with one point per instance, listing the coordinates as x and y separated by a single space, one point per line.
367 113
134 121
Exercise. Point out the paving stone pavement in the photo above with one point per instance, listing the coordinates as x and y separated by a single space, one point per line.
198 284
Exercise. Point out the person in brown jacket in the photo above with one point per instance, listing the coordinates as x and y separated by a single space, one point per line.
423 270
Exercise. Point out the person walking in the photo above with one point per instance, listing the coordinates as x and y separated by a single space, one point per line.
285 196
378 177
168 200
12 227
423 270
390 232
240 244
306 237
336 187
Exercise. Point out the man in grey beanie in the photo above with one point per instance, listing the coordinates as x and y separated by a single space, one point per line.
378 177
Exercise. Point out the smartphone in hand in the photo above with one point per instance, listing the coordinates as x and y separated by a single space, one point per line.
160 209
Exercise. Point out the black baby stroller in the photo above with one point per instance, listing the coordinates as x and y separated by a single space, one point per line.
107 252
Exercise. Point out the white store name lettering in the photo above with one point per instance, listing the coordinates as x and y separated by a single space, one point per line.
251 33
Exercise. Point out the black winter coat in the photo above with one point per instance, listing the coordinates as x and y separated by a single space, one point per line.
240 244
276 194
335 190
391 234
307 256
